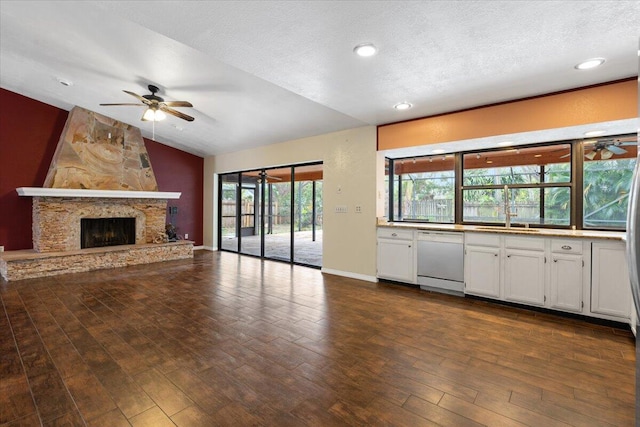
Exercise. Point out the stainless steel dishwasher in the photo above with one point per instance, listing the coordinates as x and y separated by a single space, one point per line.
441 261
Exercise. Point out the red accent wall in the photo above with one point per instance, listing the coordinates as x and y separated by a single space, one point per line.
176 170
29 134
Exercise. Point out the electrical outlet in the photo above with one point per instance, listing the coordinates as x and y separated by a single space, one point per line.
341 208
358 209
186 235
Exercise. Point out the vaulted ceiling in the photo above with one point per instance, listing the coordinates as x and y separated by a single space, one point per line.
261 72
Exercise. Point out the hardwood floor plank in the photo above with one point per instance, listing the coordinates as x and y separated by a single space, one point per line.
153 417
89 395
167 396
437 414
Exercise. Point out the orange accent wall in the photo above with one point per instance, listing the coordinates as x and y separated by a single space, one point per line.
595 104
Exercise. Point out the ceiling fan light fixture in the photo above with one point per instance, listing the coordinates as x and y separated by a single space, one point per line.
154 115
606 154
591 155
590 63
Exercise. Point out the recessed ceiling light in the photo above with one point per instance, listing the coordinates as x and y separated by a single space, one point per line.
593 133
365 49
403 106
590 63
438 151
64 82
505 143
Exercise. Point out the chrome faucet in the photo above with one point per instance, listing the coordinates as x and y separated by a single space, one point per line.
507 208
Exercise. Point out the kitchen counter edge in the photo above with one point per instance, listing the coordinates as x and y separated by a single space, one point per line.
542 232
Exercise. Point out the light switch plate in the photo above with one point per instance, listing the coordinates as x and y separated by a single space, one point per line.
341 208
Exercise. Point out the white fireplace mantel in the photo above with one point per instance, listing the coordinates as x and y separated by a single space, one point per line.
78 192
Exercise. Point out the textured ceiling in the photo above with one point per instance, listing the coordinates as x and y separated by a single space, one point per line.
264 72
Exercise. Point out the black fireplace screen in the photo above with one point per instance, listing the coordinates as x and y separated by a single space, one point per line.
97 232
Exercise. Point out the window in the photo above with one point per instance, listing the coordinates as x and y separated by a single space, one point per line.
607 170
424 189
535 181
582 183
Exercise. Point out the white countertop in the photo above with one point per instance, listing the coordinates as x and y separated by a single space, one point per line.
542 232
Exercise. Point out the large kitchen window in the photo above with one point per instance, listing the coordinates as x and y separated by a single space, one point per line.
424 189
535 183
581 183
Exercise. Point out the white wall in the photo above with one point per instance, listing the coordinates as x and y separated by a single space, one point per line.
351 163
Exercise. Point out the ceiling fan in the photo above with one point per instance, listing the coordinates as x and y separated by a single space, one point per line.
157 106
607 148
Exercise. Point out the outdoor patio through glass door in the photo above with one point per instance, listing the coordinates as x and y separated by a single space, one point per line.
273 213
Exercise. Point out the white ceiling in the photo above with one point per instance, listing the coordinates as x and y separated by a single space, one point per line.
261 72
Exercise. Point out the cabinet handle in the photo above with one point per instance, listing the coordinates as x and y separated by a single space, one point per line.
409 245
555 260
394 234
508 256
566 247
495 254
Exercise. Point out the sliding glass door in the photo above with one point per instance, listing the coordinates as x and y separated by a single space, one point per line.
273 213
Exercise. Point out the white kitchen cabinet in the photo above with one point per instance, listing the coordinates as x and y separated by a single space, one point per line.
566 275
565 286
524 276
396 255
610 288
482 270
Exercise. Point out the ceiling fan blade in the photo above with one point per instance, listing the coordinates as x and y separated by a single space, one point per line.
176 113
135 95
565 156
137 105
616 150
177 104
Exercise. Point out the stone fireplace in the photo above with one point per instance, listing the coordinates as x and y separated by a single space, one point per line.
100 170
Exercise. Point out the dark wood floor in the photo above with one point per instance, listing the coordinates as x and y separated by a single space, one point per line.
230 340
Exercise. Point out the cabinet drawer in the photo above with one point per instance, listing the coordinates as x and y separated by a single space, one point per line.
566 246
395 233
528 243
482 239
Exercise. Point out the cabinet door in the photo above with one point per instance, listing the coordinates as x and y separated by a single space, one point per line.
566 282
524 276
610 287
482 271
395 260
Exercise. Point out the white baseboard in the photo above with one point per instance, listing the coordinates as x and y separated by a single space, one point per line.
350 275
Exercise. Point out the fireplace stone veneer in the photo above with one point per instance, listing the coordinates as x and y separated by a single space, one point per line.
56 220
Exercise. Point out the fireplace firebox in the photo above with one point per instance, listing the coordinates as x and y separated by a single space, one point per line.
99 232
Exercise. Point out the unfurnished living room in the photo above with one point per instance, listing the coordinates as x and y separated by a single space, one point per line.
319 213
